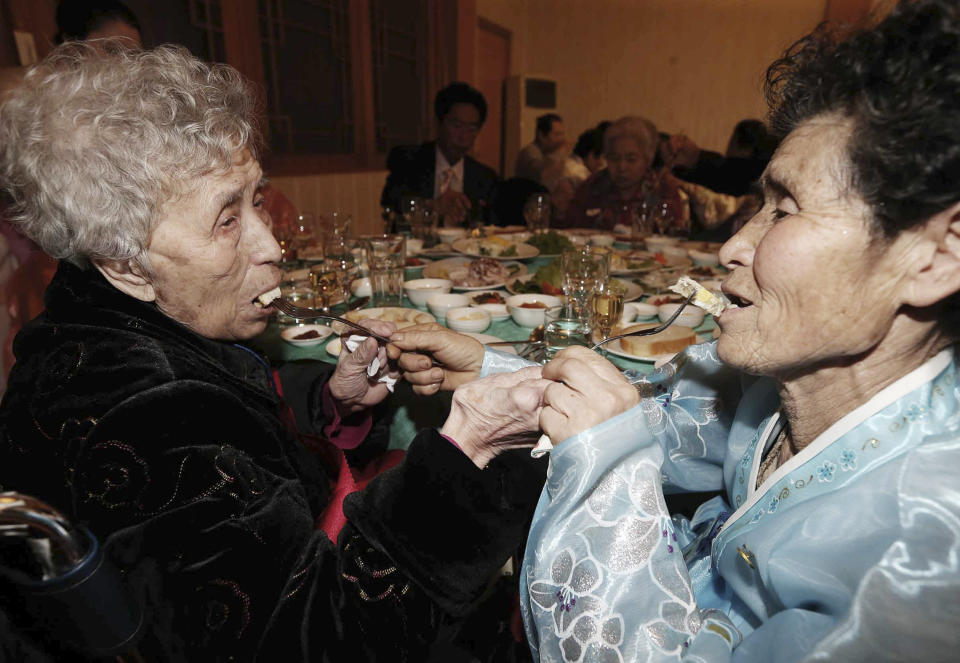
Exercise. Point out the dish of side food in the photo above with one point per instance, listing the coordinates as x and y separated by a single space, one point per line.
657 347
495 246
474 274
401 317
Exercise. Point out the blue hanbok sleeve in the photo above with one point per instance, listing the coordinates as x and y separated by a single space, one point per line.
603 576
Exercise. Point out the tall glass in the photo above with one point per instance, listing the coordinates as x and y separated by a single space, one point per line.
326 277
306 238
562 329
582 270
536 212
298 293
386 257
607 307
411 213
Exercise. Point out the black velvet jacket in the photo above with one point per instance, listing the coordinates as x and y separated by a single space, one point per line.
171 448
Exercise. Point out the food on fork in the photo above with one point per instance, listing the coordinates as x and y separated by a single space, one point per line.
711 302
670 341
267 298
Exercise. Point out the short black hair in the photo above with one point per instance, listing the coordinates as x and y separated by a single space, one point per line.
545 122
589 142
900 84
76 19
459 93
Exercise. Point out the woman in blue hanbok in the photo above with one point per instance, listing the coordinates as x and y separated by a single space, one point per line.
824 422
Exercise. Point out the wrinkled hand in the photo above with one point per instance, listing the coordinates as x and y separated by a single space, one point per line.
351 387
453 206
497 413
586 390
412 349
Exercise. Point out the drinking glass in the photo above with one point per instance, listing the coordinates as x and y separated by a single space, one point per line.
562 329
411 213
582 270
386 257
607 307
536 212
305 237
298 293
326 277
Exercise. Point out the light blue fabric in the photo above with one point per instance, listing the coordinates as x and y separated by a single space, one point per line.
850 551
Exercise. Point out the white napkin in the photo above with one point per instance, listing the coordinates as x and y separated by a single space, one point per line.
352 343
544 445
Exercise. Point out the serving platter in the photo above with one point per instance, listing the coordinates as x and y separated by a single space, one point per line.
441 270
472 246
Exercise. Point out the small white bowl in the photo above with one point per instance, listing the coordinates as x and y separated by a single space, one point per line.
704 258
497 312
361 287
419 290
440 303
290 335
601 239
530 317
468 319
637 311
414 246
691 316
657 242
450 235
673 253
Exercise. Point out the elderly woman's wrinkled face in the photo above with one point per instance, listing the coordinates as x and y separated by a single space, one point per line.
815 287
627 163
212 254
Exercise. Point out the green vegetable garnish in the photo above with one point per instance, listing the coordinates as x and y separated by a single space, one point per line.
550 242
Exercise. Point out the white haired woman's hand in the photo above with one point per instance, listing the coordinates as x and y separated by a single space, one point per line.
351 387
586 390
497 413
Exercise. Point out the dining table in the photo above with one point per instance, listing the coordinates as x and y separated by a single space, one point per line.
412 412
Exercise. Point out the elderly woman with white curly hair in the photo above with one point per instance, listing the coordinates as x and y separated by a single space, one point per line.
134 409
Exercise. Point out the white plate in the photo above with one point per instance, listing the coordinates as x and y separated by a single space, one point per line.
440 270
633 291
614 348
400 316
471 246
290 335
333 347
490 338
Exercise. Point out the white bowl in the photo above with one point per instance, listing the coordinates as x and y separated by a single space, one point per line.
321 332
601 239
704 258
637 311
530 317
361 287
691 316
657 242
419 290
468 319
497 312
414 246
672 253
440 303
450 235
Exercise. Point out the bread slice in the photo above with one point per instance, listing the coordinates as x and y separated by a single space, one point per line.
670 341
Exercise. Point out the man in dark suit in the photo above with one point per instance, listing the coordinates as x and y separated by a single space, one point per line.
461 186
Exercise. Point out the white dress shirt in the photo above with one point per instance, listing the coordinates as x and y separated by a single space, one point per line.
443 180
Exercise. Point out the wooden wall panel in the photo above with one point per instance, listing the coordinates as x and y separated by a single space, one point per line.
356 193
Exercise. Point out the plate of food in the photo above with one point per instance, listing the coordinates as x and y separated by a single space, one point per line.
546 280
495 246
306 335
401 317
656 348
441 250
474 274
490 338
551 243
706 272
634 262
493 302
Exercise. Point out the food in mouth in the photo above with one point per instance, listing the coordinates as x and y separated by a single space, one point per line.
711 302
267 298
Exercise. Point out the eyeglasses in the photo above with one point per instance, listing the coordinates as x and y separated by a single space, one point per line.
463 126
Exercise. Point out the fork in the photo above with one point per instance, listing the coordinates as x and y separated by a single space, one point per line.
301 313
652 330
